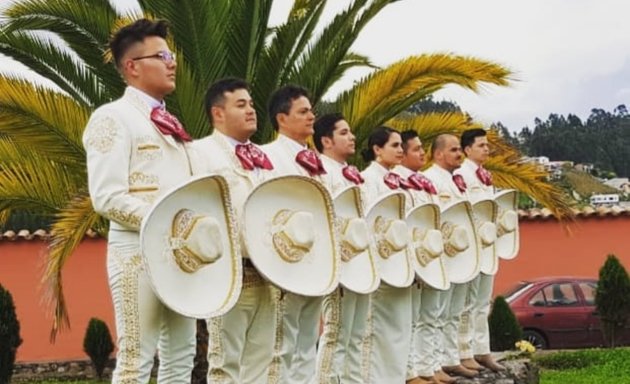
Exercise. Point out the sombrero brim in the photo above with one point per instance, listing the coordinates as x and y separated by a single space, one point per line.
212 290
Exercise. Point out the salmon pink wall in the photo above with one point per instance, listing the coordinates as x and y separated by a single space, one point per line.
545 250
86 292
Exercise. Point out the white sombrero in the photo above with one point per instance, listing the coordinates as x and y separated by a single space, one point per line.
358 268
385 219
427 245
485 212
461 252
507 243
289 235
190 249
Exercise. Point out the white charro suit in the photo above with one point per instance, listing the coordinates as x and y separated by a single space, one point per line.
339 357
240 344
130 164
425 309
474 334
297 317
390 309
452 300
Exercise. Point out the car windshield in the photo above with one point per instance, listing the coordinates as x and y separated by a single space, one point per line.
515 290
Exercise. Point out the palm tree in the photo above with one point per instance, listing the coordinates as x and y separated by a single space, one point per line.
42 161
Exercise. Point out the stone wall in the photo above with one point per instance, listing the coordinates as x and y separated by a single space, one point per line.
520 371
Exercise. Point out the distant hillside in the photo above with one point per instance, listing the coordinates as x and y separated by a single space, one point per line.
584 184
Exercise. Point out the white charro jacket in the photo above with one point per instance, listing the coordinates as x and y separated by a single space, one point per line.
216 154
475 188
130 162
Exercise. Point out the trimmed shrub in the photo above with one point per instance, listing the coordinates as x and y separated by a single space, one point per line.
504 328
9 335
98 344
613 299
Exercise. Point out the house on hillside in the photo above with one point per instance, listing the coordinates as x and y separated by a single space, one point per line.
620 183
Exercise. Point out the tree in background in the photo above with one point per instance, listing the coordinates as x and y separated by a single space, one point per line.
98 344
613 299
41 156
10 338
504 328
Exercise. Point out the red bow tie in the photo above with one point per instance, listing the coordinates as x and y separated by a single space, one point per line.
309 160
252 157
484 176
351 173
419 182
394 181
169 125
460 183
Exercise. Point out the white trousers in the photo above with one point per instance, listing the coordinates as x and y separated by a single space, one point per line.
452 309
391 334
143 323
240 345
424 357
467 321
481 311
339 357
297 330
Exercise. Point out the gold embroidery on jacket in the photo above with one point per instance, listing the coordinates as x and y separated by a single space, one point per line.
101 134
124 217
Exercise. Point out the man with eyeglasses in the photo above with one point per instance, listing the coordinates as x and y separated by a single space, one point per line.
136 151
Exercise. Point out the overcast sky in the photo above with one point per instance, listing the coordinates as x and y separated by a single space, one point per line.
568 55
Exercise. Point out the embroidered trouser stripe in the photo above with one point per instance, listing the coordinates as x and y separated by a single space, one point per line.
144 324
466 325
341 343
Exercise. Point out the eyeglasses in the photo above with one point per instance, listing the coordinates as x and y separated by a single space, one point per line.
166 56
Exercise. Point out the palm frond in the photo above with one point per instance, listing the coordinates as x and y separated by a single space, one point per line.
51 62
509 172
188 101
35 184
287 42
387 92
68 230
432 124
84 28
37 117
198 28
320 59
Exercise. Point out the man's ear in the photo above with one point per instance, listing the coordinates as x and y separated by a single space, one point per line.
217 113
327 142
281 118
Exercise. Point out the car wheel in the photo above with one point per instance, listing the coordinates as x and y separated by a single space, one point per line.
535 338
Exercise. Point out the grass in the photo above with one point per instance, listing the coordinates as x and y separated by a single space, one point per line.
589 366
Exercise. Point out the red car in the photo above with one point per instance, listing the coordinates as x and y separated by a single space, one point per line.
558 312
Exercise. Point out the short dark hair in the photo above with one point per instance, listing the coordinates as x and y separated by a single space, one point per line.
324 127
407 135
379 137
134 33
469 136
281 100
215 95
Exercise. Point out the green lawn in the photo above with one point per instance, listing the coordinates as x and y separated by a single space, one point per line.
589 366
